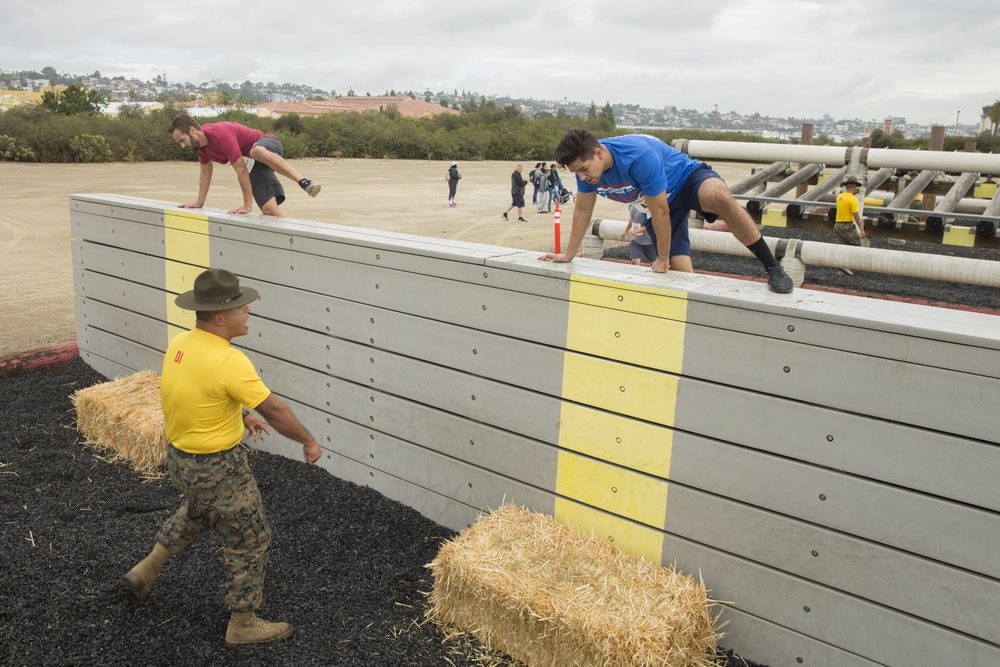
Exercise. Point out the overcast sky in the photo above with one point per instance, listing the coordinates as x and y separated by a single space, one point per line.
925 60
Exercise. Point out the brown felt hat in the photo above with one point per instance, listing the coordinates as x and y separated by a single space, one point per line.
851 183
216 289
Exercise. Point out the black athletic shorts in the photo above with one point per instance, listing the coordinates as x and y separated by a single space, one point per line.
263 181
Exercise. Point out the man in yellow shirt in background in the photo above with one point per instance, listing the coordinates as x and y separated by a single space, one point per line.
207 389
849 226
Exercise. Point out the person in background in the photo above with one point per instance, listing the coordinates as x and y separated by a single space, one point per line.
517 185
849 226
543 195
536 181
640 246
453 178
254 156
207 390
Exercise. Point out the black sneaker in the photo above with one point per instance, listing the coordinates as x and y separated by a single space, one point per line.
777 280
312 189
521 220
504 216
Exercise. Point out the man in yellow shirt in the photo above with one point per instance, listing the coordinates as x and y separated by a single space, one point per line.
849 226
207 389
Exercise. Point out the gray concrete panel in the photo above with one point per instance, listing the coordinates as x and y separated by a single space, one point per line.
906 393
106 367
955 598
114 207
503 358
120 233
756 639
460 481
452 435
123 264
148 301
481 399
943 337
440 509
121 322
116 350
500 311
946 531
824 614
929 461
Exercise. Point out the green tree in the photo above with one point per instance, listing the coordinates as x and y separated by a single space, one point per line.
290 122
89 148
995 116
606 118
592 112
75 99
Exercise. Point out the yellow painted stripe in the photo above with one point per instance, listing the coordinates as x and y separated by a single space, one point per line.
637 325
628 337
616 439
627 493
186 247
628 390
654 301
632 538
625 351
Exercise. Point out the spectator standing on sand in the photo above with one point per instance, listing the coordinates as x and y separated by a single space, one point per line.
849 226
536 181
254 156
673 184
640 246
452 177
207 388
543 193
554 184
517 184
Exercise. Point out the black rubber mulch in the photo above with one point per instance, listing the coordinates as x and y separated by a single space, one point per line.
346 563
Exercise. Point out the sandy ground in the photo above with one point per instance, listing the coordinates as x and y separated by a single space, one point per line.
36 282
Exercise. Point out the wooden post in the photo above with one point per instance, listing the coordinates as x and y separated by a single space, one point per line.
937 144
807 139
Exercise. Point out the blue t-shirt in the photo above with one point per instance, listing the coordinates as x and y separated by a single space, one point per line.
643 166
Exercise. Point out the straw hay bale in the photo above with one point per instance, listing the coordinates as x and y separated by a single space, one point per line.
124 417
546 594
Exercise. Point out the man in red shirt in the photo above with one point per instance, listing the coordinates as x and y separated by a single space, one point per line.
254 156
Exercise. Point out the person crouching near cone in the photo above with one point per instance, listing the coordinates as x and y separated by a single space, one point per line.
207 389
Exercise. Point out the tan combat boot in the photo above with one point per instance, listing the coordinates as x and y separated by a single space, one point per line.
140 578
246 628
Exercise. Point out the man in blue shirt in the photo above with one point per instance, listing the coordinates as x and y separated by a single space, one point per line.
631 167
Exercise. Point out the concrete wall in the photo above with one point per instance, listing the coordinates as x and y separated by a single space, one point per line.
826 463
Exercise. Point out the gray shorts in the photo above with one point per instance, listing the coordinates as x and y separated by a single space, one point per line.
263 181
642 248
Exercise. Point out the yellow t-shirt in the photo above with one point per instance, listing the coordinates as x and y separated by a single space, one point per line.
203 388
847 206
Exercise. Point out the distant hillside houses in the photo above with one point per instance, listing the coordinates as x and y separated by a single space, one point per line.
205 108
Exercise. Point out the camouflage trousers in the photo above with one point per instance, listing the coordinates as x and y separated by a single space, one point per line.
847 233
220 492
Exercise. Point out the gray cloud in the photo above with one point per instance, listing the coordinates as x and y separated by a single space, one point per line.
802 58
